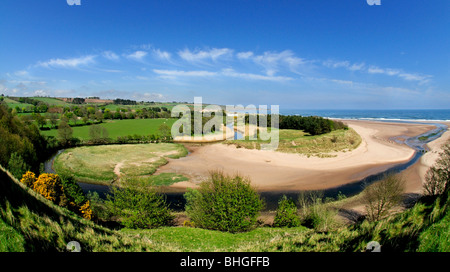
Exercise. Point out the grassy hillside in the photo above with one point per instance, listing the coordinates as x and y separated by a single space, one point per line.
28 222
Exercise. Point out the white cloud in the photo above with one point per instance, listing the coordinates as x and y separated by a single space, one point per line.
148 96
395 72
40 93
375 70
231 73
174 73
336 64
110 55
415 77
344 64
201 55
357 67
68 63
244 55
164 55
272 61
138 55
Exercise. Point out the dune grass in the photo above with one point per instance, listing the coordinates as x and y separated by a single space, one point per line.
106 163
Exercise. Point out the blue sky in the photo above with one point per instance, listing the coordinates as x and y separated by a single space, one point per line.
321 54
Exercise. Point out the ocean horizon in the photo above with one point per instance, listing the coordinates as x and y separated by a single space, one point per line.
426 115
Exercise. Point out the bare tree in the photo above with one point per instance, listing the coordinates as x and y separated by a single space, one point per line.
382 196
437 178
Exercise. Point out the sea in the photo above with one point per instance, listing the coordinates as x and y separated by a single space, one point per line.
422 115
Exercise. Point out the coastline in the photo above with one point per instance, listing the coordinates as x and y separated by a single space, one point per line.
272 171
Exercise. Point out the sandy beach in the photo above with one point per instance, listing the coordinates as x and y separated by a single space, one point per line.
276 171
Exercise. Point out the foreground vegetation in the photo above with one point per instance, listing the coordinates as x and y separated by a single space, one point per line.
31 223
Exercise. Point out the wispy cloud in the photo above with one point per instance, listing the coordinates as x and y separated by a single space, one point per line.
137 55
201 55
178 73
273 61
244 55
110 55
163 55
68 63
344 64
399 73
249 76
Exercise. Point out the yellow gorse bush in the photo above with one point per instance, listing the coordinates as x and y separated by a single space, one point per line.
86 210
28 179
49 185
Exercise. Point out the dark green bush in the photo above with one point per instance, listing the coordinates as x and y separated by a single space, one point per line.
139 205
225 203
286 215
72 190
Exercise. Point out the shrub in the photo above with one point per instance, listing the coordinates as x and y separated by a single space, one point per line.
315 213
72 190
225 203
139 205
28 179
86 210
50 186
286 215
383 195
17 166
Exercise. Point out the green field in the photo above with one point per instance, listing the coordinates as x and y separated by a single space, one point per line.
107 163
13 103
297 141
118 128
51 101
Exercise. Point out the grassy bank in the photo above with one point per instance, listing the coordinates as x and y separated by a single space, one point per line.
297 141
106 163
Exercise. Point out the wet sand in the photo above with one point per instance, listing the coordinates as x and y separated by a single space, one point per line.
276 171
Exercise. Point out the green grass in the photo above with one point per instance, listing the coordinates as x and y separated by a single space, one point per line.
424 138
107 163
118 128
13 103
189 239
10 239
297 141
166 179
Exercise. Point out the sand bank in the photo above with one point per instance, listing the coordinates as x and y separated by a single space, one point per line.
275 171
415 175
